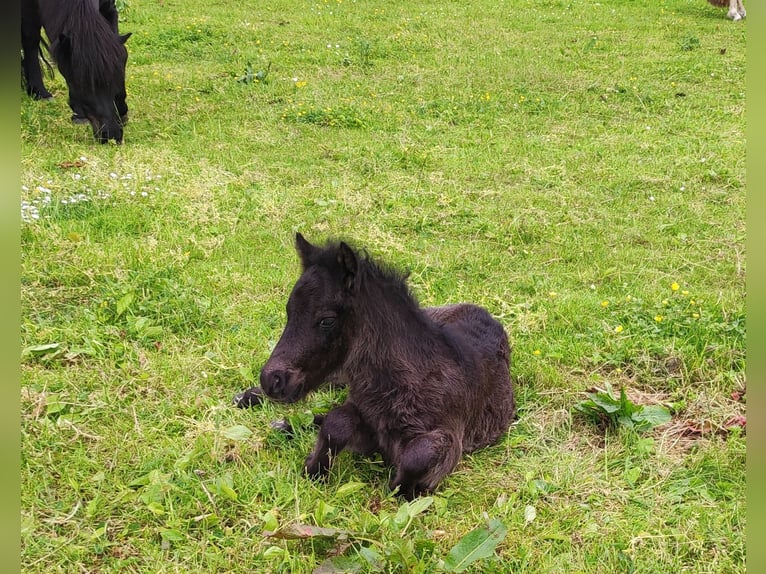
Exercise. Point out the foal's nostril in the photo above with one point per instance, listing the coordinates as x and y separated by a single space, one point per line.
274 383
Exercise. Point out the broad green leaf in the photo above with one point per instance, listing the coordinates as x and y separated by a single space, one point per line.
478 544
53 405
274 551
124 303
323 510
225 486
607 403
348 488
631 475
402 516
544 486
237 432
40 349
156 508
171 535
625 421
372 557
655 415
151 332
626 406
270 521
142 480
301 420
419 505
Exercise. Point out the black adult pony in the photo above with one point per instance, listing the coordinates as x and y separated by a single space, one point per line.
89 53
423 387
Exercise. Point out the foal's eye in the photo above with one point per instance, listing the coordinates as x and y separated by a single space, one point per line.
327 322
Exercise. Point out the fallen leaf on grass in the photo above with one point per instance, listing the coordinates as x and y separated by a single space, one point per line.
737 395
735 421
303 531
696 428
706 427
71 164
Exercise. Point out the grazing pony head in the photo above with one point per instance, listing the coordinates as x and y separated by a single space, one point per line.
92 58
320 322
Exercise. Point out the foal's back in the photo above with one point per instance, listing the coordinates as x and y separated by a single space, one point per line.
488 391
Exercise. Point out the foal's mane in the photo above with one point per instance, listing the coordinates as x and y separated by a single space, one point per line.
372 276
96 50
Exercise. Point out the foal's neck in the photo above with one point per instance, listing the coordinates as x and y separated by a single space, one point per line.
391 328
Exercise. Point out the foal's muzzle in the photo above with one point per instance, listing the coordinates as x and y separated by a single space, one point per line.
281 384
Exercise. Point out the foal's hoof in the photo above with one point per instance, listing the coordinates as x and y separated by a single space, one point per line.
284 427
249 398
78 119
315 470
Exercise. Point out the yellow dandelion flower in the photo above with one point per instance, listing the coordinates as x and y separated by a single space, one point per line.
536 352
659 318
604 303
675 286
618 329
696 315
552 294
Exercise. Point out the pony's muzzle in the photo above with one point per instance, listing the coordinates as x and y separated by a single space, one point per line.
279 384
105 132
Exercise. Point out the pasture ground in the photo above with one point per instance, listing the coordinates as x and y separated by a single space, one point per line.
578 168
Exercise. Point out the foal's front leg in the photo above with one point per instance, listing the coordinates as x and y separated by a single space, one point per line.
342 427
424 461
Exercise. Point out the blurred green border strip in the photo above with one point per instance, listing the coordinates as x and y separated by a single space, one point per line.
756 281
10 252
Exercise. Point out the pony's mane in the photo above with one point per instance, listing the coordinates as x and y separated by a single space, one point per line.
371 272
392 280
97 51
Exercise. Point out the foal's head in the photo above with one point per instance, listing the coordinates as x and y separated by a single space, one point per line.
319 322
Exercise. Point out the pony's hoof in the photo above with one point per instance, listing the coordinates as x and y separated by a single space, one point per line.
315 469
284 427
249 398
40 95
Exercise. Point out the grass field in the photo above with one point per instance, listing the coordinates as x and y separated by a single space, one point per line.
578 168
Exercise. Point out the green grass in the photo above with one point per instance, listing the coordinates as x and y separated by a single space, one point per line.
563 164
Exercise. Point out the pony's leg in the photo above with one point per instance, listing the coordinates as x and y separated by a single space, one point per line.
342 427
424 461
741 9
30 63
734 12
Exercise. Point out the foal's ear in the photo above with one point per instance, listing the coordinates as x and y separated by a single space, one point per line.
349 265
305 250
